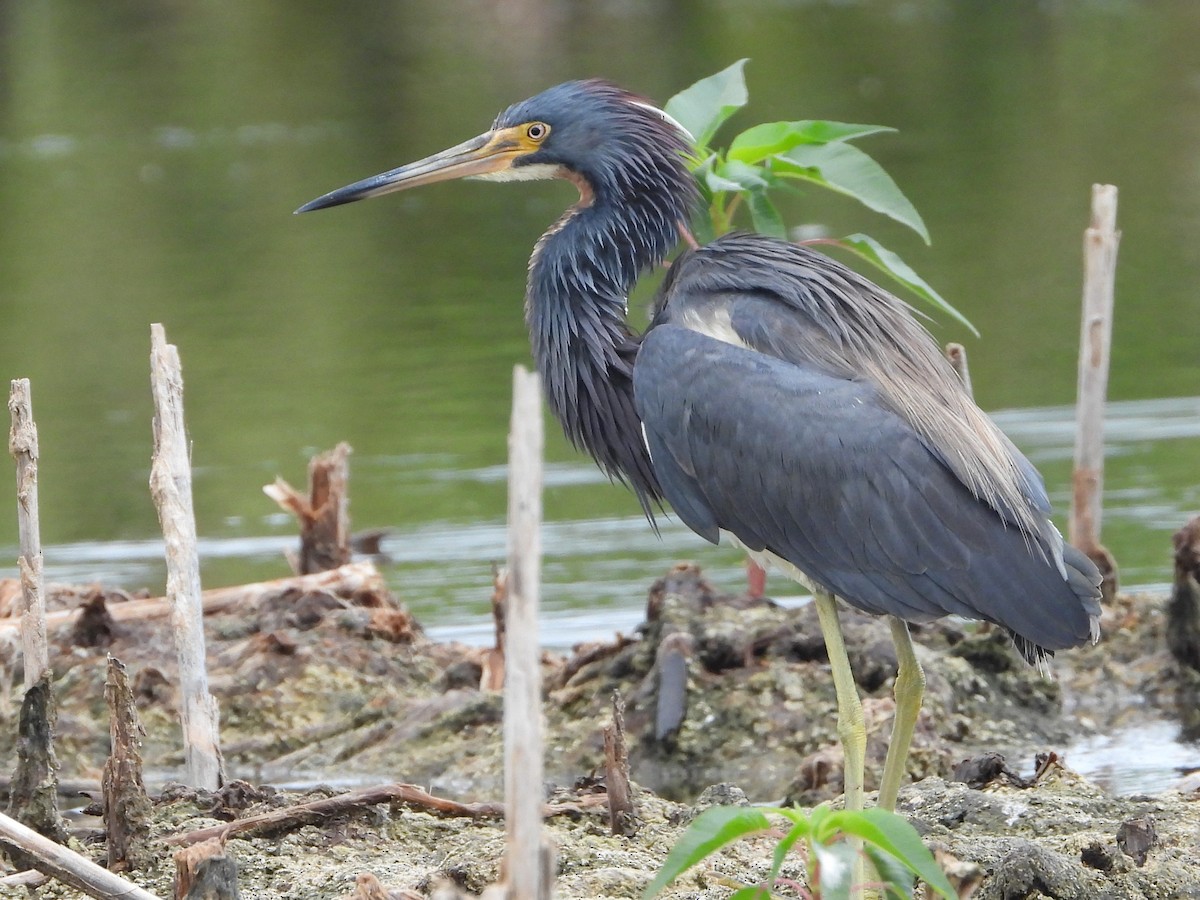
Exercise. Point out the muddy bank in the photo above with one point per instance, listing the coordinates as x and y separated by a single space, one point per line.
326 686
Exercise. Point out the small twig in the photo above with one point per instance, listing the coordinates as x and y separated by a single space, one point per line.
686 234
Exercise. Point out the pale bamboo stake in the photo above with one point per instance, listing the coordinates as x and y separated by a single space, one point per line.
1100 261
68 866
171 487
524 855
23 445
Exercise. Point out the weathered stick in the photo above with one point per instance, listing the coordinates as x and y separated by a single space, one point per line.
34 796
522 678
622 813
126 805
171 487
23 445
957 355
319 810
68 866
327 807
1100 243
349 579
324 515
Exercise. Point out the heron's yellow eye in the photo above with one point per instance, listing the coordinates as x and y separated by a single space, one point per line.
537 131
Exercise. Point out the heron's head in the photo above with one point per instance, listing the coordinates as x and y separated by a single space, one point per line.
593 133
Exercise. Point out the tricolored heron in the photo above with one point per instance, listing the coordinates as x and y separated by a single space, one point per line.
777 397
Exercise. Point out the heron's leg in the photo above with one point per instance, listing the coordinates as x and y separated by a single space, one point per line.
851 725
909 691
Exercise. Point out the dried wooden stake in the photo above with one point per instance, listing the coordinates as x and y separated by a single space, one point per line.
126 805
204 872
957 354
34 797
171 487
23 445
1100 243
68 866
492 675
324 514
622 813
524 854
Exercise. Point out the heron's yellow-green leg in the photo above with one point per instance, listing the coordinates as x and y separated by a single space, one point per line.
909 691
851 724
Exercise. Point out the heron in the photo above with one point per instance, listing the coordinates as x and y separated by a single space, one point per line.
776 398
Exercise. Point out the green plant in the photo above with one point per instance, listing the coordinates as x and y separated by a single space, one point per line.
777 156
892 846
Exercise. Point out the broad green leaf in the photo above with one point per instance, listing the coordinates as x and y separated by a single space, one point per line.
897 878
704 107
771 138
716 182
892 834
748 177
846 169
784 847
765 216
877 255
836 872
751 892
711 830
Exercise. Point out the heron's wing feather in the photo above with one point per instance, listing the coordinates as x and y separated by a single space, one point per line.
800 306
817 471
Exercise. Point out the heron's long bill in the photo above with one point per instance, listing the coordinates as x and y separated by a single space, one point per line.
491 152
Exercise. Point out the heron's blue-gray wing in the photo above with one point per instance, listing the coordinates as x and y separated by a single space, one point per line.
815 469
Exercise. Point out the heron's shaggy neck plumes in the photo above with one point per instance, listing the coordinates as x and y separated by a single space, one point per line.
632 199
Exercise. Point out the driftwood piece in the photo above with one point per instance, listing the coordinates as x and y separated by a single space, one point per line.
68 866
621 812
324 515
171 488
34 796
319 810
355 578
1100 242
23 445
524 854
126 805
204 871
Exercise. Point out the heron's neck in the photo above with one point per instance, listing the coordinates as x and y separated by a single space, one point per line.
580 276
